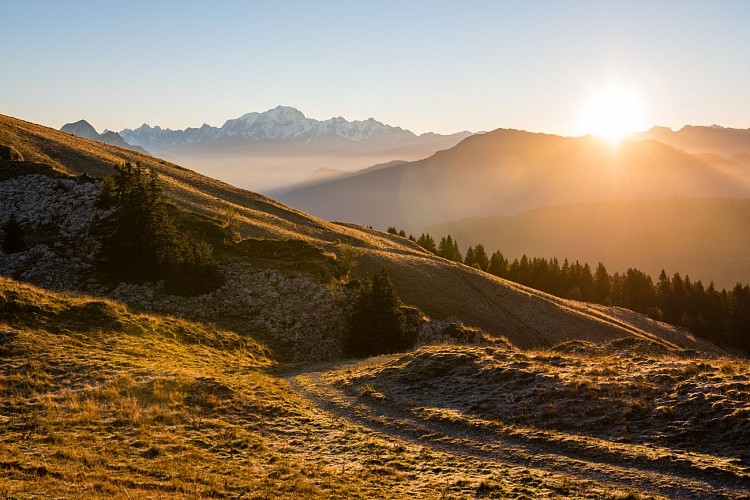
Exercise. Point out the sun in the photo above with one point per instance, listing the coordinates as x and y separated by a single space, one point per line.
612 113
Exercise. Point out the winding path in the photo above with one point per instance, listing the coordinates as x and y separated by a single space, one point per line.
673 478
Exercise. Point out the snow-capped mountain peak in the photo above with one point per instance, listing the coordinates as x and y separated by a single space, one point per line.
282 123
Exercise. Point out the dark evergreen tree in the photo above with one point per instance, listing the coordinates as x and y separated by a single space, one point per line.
586 283
738 334
498 265
141 242
391 230
470 259
426 242
602 285
638 291
377 325
448 248
480 257
13 241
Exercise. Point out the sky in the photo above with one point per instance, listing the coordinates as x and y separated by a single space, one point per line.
441 66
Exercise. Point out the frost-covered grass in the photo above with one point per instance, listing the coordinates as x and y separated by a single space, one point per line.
628 399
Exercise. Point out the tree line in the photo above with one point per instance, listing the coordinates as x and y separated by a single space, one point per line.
721 316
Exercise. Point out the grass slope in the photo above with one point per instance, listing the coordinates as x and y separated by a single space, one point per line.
99 402
526 317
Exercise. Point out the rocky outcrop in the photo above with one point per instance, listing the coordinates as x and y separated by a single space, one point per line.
55 215
298 317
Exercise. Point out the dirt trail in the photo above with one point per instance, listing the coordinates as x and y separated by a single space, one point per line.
673 478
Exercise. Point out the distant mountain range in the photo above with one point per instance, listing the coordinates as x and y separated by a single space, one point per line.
289 126
84 129
723 141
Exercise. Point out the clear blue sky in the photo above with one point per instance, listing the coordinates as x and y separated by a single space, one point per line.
423 65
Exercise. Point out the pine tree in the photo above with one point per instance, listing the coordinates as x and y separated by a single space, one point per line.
602 286
498 265
470 259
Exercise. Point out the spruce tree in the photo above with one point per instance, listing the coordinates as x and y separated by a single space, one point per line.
602 285
470 258
377 325
480 257
426 242
498 265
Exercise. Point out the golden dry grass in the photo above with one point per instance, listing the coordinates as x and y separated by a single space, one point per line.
125 404
626 402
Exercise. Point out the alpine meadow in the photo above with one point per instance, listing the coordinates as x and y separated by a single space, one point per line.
424 250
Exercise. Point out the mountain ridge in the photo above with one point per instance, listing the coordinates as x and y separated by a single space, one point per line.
724 141
84 129
507 171
277 124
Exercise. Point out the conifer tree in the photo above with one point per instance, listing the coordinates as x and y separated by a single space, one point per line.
601 284
480 257
470 259
498 265
426 242
141 242
377 325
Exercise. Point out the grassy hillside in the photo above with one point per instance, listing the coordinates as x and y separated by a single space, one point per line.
705 238
439 288
99 402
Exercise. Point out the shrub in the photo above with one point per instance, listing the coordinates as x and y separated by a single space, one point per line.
655 313
13 240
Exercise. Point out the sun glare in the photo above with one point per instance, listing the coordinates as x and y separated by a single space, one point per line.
612 114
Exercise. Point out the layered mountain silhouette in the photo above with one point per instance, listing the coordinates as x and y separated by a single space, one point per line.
722 141
505 172
84 129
